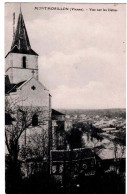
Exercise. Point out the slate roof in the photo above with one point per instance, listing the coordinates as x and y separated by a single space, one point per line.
9 87
21 43
55 112
75 154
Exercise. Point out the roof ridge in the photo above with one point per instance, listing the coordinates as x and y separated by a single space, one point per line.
14 87
36 80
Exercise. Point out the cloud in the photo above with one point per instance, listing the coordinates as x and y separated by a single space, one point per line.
81 67
94 95
88 74
69 32
82 54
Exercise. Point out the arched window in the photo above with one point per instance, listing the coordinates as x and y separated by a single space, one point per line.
24 62
35 120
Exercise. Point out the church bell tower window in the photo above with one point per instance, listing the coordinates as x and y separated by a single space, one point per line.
24 62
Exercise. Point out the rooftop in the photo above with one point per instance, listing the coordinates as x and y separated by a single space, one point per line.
21 43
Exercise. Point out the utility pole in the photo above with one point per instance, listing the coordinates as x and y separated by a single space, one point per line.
13 25
49 133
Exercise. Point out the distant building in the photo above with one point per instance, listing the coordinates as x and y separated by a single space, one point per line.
67 116
76 161
58 131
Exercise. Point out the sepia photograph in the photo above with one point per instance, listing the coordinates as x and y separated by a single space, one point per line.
65 98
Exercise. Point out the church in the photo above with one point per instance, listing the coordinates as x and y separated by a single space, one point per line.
44 127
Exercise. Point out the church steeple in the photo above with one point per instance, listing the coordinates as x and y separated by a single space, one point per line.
21 39
21 43
21 60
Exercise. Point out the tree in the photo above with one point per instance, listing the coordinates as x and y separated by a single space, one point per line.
74 137
119 150
35 152
22 121
36 147
18 119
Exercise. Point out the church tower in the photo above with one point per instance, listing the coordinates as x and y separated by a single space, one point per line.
21 61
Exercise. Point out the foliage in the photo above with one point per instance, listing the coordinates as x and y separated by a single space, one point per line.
107 183
21 122
36 147
13 175
74 137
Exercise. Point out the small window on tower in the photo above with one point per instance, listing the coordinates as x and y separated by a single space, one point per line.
24 62
35 120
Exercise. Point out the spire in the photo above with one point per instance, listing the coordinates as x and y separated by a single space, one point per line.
21 39
21 43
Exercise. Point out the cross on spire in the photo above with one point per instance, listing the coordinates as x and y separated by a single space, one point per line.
20 8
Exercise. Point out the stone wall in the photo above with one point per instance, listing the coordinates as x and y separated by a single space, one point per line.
17 73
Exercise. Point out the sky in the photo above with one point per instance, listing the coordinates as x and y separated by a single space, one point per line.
82 54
